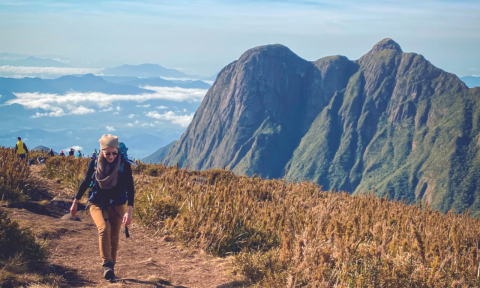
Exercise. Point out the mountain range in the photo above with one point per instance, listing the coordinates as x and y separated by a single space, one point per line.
389 120
33 62
150 70
101 67
91 83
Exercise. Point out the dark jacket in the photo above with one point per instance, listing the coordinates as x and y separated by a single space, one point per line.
122 185
51 153
71 153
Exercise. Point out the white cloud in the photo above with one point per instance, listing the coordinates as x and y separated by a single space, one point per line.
110 128
46 70
107 109
80 102
57 112
116 113
144 106
161 107
182 120
131 116
80 110
136 121
178 94
130 124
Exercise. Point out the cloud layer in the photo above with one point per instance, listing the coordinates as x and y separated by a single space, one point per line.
54 102
76 103
182 120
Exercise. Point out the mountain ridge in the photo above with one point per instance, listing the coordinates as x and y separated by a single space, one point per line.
386 120
149 70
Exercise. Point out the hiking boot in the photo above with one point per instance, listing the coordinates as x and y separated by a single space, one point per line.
108 272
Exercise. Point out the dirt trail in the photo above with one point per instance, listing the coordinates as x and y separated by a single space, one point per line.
144 260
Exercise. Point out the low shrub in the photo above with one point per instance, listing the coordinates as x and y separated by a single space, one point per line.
14 174
152 172
19 251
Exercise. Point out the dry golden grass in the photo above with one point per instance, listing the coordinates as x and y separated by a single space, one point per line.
13 176
15 182
296 235
70 170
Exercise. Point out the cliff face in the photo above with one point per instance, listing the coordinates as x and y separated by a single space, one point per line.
390 120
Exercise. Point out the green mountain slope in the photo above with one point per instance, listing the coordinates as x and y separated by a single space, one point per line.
389 119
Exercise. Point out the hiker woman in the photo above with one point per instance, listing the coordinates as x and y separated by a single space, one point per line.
112 188
79 154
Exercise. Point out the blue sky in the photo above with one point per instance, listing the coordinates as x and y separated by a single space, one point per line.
201 37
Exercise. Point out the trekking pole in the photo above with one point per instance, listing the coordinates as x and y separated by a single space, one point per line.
126 232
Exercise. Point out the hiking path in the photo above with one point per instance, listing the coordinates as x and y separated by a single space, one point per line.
144 259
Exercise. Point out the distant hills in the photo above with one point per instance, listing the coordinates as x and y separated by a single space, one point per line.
389 120
43 148
89 83
144 70
471 81
157 157
151 70
12 56
50 61
33 62
85 83
157 81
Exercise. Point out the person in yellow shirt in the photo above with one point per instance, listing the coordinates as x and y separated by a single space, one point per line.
21 149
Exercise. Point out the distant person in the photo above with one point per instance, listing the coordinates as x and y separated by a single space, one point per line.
79 154
51 153
95 154
111 175
62 154
71 152
21 149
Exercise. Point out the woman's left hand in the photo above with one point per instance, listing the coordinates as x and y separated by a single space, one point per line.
127 218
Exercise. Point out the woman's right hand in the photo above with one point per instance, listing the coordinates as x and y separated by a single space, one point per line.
73 209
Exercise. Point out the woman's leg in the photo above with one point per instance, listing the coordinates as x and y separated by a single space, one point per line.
115 227
102 222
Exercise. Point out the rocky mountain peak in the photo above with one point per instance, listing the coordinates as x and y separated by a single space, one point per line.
387 120
386 43
271 51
